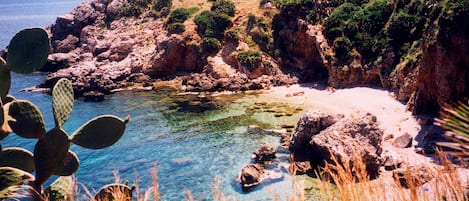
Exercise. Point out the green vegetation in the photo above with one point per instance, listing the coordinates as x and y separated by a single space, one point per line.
456 121
212 24
224 6
231 35
176 28
52 154
135 8
210 45
261 32
249 58
177 18
215 22
181 14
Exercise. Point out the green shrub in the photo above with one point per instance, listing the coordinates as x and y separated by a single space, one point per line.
135 8
212 24
335 24
211 45
342 48
176 27
401 26
249 58
179 15
231 34
224 6
160 4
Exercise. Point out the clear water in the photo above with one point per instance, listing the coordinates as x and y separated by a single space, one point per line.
189 143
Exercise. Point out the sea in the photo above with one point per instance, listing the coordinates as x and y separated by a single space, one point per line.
197 143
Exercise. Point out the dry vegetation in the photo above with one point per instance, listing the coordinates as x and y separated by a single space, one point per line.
340 183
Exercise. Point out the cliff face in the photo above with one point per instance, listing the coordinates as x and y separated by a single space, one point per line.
425 64
443 75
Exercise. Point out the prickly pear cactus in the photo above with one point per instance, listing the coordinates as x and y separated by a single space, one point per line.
49 154
18 158
27 120
62 101
100 132
2 115
11 179
114 192
5 79
69 166
61 189
28 50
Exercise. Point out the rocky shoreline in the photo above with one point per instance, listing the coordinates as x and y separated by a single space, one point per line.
101 56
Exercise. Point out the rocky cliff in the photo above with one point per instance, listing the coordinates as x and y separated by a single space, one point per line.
414 48
418 51
101 50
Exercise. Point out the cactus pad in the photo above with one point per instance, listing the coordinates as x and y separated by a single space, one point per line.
5 79
100 132
7 99
114 192
62 101
49 153
2 115
28 50
61 189
11 179
18 158
27 120
69 166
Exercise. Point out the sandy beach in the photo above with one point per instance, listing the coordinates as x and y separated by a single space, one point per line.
393 117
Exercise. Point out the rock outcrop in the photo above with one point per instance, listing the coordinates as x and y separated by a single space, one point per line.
265 155
348 140
101 52
250 176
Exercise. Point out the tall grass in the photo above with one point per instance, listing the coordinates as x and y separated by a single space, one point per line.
354 184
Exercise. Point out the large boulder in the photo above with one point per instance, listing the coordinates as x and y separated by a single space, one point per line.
311 123
350 140
250 176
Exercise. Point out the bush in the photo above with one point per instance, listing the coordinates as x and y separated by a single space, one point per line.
400 27
135 8
224 6
212 24
181 14
232 35
249 58
342 48
176 28
211 45
335 24
160 4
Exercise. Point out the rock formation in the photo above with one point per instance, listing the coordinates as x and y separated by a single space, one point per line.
321 137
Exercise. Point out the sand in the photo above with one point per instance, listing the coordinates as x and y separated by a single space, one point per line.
392 115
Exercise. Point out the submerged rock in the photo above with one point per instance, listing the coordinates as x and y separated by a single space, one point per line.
253 175
265 155
250 176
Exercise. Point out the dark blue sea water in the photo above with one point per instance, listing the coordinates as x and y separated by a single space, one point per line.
190 142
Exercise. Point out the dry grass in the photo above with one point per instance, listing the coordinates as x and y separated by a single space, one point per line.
340 182
353 184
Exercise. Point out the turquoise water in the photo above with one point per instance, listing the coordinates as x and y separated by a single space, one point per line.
190 142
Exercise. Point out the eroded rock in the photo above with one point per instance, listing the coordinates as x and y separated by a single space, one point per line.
265 155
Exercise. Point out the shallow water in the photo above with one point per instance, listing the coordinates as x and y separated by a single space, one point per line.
190 139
